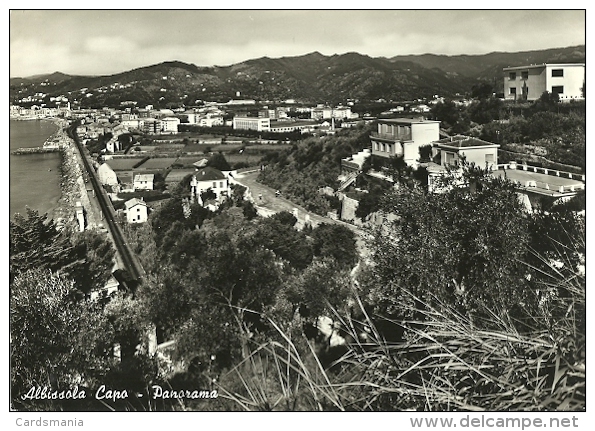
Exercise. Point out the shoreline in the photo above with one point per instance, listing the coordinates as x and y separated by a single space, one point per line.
64 213
72 184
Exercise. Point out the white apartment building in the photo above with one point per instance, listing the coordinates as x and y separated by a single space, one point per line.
403 136
530 82
252 123
170 124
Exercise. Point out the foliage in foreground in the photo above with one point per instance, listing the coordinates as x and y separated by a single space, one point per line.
444 363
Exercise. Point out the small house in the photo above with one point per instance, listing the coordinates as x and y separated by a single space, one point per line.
136 211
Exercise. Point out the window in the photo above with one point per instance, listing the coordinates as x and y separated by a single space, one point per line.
525 75
512 76
489 158
558 89
557 73
214 184
512 90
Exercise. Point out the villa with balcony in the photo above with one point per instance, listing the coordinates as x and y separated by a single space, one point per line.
403 137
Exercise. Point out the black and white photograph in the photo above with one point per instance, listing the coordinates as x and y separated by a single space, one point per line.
297 210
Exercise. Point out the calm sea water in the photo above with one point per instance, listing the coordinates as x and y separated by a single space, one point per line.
34 178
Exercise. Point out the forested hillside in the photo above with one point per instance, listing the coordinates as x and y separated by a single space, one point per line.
311 164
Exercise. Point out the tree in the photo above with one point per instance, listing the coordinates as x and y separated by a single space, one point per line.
425 153
285 217
336 242
483 90
36 242
286 242
464 246
218 161
321 289
546 102
447 113
56 341
96 254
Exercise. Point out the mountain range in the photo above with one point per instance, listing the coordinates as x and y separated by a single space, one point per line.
312 78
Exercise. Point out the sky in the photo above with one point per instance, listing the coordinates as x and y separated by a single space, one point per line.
104 42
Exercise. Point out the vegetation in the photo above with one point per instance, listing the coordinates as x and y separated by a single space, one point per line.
545 127
460 301
311 164
512 340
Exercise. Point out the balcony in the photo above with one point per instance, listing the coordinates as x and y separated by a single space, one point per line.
391 137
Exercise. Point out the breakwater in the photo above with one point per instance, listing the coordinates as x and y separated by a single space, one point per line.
35 150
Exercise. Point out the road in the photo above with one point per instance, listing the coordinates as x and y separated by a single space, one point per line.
267 202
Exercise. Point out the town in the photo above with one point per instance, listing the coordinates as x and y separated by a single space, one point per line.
237 225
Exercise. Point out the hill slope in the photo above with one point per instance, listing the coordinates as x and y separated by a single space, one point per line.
310 78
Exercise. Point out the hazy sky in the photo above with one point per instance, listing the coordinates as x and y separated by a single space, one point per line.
99 42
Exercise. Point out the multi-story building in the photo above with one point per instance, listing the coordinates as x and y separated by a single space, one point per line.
252 123
530 82
150 125
170 124
321 113
403 137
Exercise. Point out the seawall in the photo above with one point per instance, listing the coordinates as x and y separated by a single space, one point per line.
35 150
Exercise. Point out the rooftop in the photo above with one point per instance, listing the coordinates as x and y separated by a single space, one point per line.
406 120
133 202
533 66
145 177
541 183
209 174
461 141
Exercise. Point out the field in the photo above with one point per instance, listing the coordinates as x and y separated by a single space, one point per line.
123 164
225 148
158 163
249 159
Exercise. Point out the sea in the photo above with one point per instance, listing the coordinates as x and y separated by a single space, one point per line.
34 178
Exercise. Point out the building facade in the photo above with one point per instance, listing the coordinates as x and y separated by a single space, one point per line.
530 82
209 178
403 137
170 124
136 211
252 123
144 181
475 151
